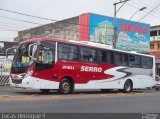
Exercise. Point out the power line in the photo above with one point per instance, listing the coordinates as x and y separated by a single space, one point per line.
17 25
149 12
8 29
41 18
9 26
143 11
148 6
20 20
26 14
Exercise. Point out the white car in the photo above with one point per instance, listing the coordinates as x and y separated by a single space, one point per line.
157 86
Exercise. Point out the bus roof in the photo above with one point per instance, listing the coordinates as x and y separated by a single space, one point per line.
83 43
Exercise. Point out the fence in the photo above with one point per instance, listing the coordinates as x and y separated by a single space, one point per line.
5 67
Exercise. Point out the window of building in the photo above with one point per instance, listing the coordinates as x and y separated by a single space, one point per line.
158 32
158 45
67 52
153 33
88 55
151 46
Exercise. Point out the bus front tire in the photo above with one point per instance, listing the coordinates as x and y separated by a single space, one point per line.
65 86
128 87
45 90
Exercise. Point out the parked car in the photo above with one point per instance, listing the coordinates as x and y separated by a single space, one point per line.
157 85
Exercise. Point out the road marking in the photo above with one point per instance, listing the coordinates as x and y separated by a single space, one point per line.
29 97
55 97
121 94
103 95
4 96
1 99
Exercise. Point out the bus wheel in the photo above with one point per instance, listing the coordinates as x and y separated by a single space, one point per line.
45 90
65 87
128 87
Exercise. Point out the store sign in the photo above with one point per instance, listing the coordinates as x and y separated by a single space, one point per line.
131 36
133 28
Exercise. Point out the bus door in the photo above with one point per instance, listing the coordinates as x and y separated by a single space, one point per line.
45 61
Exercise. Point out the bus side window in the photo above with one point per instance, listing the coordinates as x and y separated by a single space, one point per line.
90 58
150 63
103 56
131 60
145 62
67 52
88 55
137 61
124 59
110 57
118 60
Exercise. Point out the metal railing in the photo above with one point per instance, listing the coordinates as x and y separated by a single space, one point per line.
5 68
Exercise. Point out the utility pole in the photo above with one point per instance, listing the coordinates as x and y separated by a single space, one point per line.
115 22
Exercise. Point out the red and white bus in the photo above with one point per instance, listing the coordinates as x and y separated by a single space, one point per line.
47 63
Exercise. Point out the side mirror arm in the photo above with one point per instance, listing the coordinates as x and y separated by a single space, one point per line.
29 49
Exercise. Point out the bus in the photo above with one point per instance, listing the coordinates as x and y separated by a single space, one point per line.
53 64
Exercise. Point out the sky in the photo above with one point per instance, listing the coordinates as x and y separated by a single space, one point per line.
63 9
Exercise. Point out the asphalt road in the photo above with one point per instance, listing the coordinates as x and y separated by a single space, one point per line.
21 100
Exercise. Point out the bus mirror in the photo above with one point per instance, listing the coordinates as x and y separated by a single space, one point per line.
10 52
32 51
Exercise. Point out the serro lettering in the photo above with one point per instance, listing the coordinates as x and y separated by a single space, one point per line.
90 69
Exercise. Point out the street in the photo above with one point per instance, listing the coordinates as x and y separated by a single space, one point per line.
22 100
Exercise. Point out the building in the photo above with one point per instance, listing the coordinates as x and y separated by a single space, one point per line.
131 36
5 45
66 29
155 46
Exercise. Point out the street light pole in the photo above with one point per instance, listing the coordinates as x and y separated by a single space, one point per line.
115 22
143 8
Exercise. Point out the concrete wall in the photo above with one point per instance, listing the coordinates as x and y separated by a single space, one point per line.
66 29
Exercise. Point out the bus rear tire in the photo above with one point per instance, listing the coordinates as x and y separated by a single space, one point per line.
45 90
128 86
65 87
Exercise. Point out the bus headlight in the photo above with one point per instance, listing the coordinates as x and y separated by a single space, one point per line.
29 73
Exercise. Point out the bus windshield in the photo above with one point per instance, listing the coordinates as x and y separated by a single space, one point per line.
21 60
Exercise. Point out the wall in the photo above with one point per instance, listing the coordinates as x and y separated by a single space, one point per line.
66 29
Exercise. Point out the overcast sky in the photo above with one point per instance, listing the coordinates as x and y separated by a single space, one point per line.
62 9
